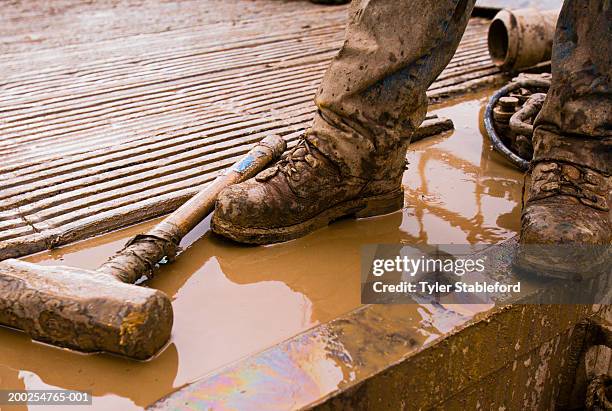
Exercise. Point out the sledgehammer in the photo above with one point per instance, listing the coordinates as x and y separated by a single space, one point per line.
103 310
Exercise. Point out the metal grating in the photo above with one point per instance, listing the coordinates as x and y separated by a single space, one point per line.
112 113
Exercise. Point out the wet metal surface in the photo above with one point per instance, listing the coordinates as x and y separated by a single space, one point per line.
406 357
231 301
115 113
414 357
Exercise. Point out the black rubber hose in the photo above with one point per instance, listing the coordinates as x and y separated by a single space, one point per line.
498 145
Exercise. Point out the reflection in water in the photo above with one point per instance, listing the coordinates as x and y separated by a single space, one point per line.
461 190
232 301
10 378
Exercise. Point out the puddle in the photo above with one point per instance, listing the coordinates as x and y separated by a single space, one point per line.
232 301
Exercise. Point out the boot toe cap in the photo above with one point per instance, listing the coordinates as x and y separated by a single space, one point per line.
241 205
563 222
563 238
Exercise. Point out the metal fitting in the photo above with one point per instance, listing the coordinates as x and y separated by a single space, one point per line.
521 38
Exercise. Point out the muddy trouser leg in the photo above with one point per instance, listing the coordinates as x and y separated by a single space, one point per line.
568 198
575 124
372 97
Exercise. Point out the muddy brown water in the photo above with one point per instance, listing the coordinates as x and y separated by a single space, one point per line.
232 301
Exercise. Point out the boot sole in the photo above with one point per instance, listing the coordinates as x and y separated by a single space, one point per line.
358 208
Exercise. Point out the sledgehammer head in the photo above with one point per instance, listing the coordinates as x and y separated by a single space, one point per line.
83 309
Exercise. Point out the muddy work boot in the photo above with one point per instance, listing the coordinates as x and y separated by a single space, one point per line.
302 192
566 230
371 100
565 226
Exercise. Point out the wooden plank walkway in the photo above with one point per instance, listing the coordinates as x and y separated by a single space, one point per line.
114 112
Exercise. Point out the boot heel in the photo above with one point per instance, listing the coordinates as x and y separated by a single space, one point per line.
383 204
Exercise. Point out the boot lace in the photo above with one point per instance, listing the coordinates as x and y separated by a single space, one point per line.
557 178
302 152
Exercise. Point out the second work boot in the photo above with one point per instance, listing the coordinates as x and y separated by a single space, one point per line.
304 191
566 231
565 227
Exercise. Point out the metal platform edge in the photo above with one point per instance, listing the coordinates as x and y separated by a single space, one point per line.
515 356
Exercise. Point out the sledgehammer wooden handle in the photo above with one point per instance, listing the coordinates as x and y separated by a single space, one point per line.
186 217
143 252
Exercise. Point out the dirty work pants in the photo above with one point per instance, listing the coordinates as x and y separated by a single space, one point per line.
372 97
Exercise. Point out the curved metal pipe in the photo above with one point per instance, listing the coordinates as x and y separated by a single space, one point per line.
527 82
493 137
